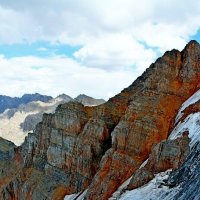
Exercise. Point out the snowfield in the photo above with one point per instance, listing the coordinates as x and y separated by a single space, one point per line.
153 190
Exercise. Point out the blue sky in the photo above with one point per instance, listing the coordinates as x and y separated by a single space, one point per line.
83 46
196 36
38 48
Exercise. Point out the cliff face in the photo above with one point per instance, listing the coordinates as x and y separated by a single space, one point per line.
100 147
148 117
177 158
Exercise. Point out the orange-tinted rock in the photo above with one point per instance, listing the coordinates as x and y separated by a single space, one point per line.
100 147
193 108
165 155
59 193
161 91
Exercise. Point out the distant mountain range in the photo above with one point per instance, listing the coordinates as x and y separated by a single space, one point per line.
20 117
13 102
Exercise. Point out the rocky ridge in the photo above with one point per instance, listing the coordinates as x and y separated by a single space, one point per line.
98 148
182 182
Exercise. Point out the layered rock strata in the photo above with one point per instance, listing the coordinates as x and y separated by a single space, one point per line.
100 147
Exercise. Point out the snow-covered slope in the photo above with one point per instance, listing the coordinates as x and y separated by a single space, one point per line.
155 189
183 183
191 124
193 99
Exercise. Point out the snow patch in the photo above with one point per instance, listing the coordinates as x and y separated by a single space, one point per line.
193 99
191 124
71 196
143 164
77 196
155 189
116 195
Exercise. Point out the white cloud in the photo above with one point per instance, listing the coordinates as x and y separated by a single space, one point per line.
114 35
42 49
56 75
84 21
115 51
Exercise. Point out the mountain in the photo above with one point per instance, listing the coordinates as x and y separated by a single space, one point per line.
89 101
7 102
15 123
115 149
181 152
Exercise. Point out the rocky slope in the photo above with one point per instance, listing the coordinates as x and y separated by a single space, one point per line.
17 122
183 182
96 149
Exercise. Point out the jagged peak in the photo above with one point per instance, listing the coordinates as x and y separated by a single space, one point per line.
193 44
64 96
84 96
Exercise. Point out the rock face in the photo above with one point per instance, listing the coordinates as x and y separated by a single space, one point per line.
183 181
188 176
100 147
169 154
6 149
148 118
